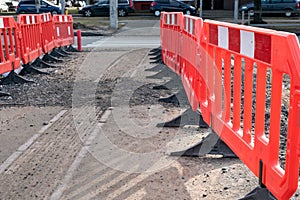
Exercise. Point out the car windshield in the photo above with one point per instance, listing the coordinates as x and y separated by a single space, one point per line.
50 3
101 2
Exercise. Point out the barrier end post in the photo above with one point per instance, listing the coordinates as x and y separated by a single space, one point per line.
79 47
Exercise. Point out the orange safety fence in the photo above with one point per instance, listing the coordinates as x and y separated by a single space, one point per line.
171 24
239 75
63 26
9 46
48 34
30 36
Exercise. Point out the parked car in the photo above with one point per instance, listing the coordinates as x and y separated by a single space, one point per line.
287 7
12 5
3 7
158 6
28 6
102 8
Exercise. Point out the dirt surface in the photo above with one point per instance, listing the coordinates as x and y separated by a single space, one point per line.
92 127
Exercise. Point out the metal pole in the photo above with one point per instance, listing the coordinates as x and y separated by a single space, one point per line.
113 17
236 11
243 17
200 6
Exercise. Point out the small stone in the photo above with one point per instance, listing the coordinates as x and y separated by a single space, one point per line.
45 123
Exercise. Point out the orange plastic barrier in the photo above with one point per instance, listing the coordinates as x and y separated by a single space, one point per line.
30 40
9 46
189 58
63 25
48 34
171 26
233 63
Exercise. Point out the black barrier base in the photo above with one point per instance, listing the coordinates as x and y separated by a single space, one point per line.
3 94
156 68
158 61
179 98
210 145
71 49
188 117
259 194
12 77
164 73
57 54
61 50
42 64
47 57
156 56
155 50
29 69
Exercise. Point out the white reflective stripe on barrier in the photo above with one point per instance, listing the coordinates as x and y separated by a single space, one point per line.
66 18
191 26
168 19
186 24
173 19
57 31
223 40
60 18
33 19
27 19
69 30
45 18
1 23
247 43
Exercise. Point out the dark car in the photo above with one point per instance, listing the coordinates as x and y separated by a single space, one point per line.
287 7
28 6
101 8
158 6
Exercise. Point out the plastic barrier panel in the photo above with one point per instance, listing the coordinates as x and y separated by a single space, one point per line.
48 34
247 88
189 55
9 46
63 26
30 37
171 32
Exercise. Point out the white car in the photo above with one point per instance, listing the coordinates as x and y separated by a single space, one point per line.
3 6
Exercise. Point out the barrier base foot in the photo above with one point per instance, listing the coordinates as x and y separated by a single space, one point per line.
156 68
158 61
188 117
3 94
258 194
156 56
210 145
158 49
51 58
164 73
61 50
179 98
71 49
12 77
42 64
28 69
175 83
57 54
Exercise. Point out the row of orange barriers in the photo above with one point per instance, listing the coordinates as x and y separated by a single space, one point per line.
225 69
31 37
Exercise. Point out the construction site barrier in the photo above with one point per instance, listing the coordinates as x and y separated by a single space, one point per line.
238 75
30 36
63 25
9 46
171 26
47 33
